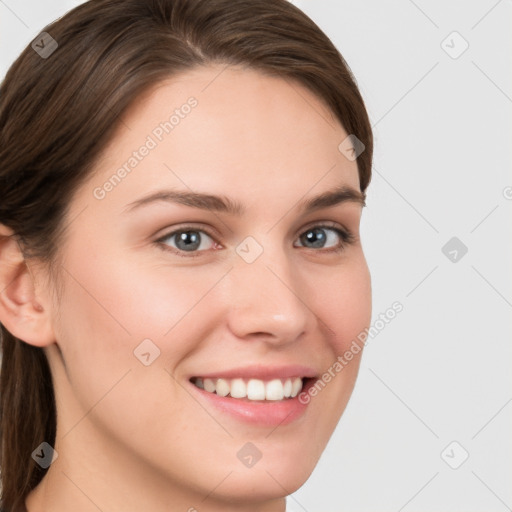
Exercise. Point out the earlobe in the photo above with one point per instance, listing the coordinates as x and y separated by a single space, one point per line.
21 313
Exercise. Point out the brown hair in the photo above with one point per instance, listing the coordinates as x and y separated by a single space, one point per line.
57 113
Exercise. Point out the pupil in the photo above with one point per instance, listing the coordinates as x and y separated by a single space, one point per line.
190 239
316 237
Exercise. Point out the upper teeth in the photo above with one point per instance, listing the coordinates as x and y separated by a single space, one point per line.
253 389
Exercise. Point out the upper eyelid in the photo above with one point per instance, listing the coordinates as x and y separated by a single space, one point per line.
214 232
174 231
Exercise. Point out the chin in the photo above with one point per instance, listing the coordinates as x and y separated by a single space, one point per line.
279 472
262 484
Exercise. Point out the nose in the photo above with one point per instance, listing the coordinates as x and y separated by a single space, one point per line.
267 300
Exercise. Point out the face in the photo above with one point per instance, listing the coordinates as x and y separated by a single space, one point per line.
257 290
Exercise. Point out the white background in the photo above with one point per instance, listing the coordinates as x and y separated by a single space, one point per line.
441 370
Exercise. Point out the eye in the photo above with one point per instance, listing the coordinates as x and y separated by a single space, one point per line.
189 241
325 236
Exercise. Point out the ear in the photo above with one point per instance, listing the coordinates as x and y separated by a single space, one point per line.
21 313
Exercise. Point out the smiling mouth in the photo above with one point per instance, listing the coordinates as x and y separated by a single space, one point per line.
252 389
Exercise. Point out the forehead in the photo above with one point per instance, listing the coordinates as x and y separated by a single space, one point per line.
225 129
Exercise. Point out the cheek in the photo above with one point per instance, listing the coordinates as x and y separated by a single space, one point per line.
112 304
344 305
345 302
107 310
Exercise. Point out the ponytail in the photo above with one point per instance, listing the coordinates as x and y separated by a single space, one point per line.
27 417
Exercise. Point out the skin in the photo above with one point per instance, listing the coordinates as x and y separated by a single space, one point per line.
129 436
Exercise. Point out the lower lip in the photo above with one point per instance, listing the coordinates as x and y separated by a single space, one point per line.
267 413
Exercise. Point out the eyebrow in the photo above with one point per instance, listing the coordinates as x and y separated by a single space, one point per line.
223 204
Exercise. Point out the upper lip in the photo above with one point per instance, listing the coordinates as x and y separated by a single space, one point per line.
262 372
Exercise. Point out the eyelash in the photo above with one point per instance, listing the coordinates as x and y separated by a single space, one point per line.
346 236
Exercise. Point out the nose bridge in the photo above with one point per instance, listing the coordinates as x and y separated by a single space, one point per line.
265 294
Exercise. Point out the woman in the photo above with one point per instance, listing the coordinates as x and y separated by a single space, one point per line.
180 263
